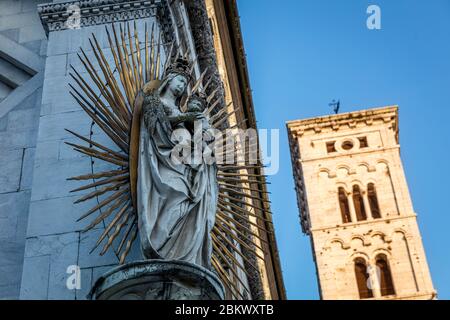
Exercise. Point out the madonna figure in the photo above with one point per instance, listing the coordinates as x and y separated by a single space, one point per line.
176 201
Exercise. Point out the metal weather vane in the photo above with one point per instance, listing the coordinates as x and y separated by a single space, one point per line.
336 105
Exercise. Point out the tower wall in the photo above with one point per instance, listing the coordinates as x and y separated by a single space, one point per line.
338 153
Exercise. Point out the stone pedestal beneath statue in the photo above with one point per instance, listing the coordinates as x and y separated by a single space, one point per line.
158 280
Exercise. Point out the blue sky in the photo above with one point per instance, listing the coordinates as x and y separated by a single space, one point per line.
304 53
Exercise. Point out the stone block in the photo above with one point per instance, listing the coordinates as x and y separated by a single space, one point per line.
9 275
8 227
11 202
43 51
35 277
10 292
46 108
86 284
11 253
19 94
57 43
15 206
12 34
22 223
52 127
46 152
56 96
31 33
10 7
3 123
34 46
62 251
17 140
10 170
31 101
27 169
22 120
58 215
50 179
55 66
80 38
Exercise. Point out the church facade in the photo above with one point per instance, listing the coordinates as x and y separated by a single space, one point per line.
42 244
355 205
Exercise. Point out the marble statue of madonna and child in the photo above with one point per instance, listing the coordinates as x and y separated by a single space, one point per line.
176 201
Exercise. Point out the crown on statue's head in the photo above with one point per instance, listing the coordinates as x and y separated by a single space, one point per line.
180 66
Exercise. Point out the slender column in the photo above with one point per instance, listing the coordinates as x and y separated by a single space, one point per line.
365 197
374 280
352 207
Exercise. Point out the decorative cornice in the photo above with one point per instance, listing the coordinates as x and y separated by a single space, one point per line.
348 120
94 12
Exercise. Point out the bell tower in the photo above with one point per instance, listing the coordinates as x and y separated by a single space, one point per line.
355 205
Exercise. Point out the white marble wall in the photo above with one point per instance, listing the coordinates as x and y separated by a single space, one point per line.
23 39
54 238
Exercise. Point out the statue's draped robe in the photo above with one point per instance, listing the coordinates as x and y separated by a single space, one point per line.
176 202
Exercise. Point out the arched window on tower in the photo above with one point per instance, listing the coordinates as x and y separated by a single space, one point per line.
362 279
358 202
385 276
343 204
373 201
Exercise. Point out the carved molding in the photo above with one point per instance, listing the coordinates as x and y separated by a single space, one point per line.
298 128
94 12
204 46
